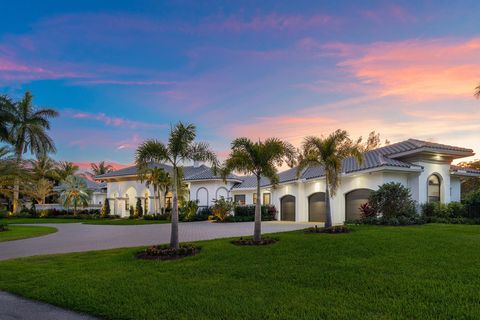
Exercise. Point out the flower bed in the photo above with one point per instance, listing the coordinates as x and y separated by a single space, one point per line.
164 252
250 242
333 229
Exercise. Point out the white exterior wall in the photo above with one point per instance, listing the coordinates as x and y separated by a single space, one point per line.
98 198
455 188
214 188
119 189
421 182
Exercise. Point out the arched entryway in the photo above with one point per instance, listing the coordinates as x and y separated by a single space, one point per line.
287 208
353 200
316 207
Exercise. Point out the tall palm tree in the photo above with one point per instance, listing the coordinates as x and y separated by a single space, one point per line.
6 117
477 92
260 159
44 167
98 169
329 153
74 192
28 131
66 169
181 147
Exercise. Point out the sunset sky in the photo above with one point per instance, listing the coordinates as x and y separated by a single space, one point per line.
120 72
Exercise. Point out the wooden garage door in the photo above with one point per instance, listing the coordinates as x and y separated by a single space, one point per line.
288 208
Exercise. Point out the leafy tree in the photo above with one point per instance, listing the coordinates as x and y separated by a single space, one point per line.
373 142
74 192
181 147
260 159
392 200
27 131
470 184
329 153
66 169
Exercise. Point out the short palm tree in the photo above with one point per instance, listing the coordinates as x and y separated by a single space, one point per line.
44 168
159 179
41 189
74 192
181 147
329 153
66 169
260 159
27 128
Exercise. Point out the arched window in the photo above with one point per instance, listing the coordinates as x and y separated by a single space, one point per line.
433 188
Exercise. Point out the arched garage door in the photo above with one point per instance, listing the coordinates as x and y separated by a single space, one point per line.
287 208
316 207
353 200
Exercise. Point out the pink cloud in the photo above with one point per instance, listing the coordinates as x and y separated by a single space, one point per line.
130 143
116 121
388 12
85 165
418 69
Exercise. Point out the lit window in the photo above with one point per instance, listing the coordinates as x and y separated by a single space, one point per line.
254 198
266 198
433 188
240 199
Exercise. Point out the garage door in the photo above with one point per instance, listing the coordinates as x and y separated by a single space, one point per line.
288 208
353 201
316 207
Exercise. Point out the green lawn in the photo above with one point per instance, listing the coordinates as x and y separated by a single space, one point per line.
418 272
85 221
22 232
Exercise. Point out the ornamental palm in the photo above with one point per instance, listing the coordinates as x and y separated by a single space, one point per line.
74 192
155 176
329 153
27 127
181 147
66 169
260 159
44 168
98 169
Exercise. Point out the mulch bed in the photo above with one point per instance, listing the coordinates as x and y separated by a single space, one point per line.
164 252
250 242
333 229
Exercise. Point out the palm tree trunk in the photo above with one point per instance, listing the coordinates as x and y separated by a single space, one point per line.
16 183
328 222
174 233
257 230
154 199
160 202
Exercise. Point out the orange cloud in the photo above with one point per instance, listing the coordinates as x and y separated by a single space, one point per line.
418 69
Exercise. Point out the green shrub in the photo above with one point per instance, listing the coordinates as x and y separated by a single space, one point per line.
138 208
392 200
156 216
131 212
105 209
188 211
268 212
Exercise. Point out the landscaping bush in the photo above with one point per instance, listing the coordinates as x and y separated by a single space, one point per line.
394 221
250 242
332 229
138 208
131 212
105 209
367 210
392 200
164 252
156 216
472 204
221 209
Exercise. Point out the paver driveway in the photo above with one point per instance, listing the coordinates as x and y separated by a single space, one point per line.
76 237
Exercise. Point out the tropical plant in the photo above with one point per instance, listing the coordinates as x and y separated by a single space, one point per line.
190 209
138 208
329 153
181 147
74 192
105 209
44 168
66 169
27 131
159 179
41 189
260 159
99 169
222 208
10 171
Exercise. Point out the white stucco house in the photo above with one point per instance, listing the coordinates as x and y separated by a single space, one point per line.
424 167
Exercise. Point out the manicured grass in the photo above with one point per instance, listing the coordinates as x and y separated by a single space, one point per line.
419 272
85 221
39 220
22 232
124 221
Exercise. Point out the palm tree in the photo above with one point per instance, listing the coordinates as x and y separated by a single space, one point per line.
155 176
41 189
329 153
181 147
98 169
66 169
260 159
6 117
477 92
10 171
27 131
74 192
164 183
44 168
